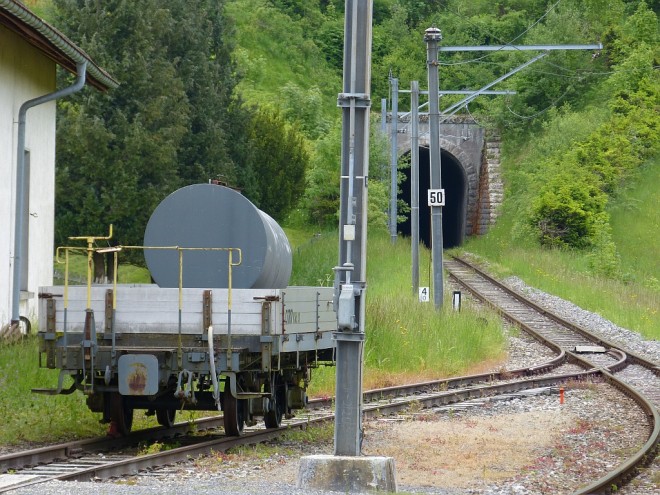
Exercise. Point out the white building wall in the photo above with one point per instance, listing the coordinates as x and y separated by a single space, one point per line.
25 73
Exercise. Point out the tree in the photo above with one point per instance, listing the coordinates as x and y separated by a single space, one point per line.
321 199
168 124
274 173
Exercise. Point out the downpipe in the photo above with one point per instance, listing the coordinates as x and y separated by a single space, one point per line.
20 179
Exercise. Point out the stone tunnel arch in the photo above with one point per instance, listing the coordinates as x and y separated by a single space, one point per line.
454 213
470 176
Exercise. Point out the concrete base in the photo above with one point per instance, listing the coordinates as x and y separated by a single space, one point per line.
347 474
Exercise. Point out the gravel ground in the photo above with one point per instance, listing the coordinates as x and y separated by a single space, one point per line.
451 451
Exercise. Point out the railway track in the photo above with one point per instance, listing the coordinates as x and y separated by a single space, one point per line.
105 458
634 375
577 358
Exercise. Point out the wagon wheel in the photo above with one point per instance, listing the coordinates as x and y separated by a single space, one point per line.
121 415
277 389
234 414
165 416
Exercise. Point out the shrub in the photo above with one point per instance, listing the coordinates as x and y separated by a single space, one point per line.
604 259
567 209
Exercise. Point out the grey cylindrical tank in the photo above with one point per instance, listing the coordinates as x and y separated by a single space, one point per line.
208 215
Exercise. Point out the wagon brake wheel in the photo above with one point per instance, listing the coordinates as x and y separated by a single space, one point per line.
121 415
165 416
234 414
277 389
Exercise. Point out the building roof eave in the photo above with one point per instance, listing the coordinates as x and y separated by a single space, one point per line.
18 18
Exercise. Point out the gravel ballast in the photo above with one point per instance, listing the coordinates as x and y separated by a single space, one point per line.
450 452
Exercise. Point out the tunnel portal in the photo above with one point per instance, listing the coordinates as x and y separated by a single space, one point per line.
454 213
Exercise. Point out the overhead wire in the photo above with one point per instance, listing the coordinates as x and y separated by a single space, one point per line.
505 43
509 43
560 97
576 73
540 112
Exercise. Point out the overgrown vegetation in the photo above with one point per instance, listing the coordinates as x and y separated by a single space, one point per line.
31 417
406 340
186 122
565 185
174 120
570 209
580 158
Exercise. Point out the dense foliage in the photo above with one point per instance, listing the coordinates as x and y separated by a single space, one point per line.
277 160
567 192
174 120
577 182
579 124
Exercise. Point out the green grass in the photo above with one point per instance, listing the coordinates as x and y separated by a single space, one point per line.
630 300
405 340
29 417
409 338
635 220
126 274
272 52
565 274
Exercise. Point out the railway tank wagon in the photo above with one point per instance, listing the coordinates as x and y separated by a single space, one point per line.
219 330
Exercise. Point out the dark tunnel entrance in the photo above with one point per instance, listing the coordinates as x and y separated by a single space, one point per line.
453 213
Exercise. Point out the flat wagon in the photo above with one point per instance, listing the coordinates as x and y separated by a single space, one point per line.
220 330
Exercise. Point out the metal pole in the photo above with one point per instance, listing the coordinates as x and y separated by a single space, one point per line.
383 116
414 183
432 37
350 274
458 105
81 69
394 131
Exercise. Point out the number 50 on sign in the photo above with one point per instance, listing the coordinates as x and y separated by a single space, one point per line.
436 197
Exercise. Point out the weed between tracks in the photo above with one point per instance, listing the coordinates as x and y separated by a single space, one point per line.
156 447
291 444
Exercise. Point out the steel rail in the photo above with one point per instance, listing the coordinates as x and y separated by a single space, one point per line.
444 398
624 472
633 357
429 394
385 406
50 453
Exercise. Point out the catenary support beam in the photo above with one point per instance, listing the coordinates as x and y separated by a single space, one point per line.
350 274
414 184
432 37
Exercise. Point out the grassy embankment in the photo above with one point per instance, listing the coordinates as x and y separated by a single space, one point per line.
273 54
406 340
631 299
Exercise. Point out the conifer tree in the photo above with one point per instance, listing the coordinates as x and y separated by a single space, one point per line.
168 124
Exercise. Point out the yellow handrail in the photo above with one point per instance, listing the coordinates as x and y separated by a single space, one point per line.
90 249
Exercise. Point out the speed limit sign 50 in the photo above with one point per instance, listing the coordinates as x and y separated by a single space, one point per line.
436 197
